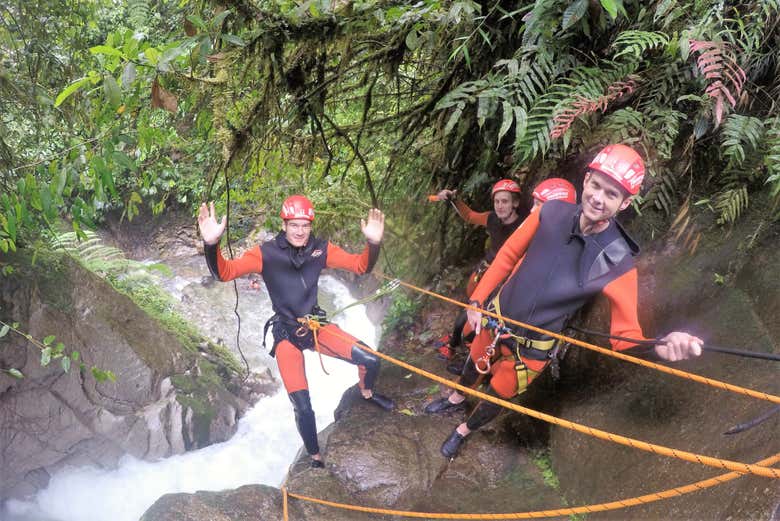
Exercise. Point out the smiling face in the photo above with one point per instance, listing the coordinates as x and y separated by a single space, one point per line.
505 205
297 231
602 197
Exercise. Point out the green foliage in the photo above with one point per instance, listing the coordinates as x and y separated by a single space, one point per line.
635 43
772 156
366 103
543 462
730 203
741 135
51 351
402 313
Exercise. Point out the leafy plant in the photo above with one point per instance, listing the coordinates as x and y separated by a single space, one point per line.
402 312
50 352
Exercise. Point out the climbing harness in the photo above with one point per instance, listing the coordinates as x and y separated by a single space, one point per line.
311 324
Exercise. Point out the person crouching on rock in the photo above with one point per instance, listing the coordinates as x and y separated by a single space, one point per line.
291 264
570 253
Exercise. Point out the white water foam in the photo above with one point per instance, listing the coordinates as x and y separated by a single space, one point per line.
260 452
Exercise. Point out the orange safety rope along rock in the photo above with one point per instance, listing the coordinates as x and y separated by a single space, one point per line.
584 509
702 459
608 352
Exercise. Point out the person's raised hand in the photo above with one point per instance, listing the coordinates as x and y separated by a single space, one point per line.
446 195
374 226
210 229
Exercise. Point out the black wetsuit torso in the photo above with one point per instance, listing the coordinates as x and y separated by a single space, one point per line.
563 269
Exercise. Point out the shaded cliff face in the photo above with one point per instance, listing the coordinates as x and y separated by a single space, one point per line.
664 409
166 398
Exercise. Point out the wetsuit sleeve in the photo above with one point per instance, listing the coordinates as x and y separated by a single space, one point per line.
622 295
359 263
224 269
469 215
507 258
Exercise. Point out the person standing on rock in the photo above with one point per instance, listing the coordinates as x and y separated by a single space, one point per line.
291 264
501 222
551 189
570 253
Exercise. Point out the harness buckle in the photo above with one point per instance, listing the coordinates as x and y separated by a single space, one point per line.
490 351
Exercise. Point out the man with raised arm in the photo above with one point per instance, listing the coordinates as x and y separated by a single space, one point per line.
570 253
291 264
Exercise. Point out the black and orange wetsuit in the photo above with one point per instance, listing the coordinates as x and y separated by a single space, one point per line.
291 276
497 231
561 270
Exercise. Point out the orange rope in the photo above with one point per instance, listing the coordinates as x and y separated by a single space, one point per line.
284 501
584 509
645 363
314 326
597 433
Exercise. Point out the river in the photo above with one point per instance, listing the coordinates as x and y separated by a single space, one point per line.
266 441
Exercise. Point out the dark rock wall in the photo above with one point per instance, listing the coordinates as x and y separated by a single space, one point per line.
51 418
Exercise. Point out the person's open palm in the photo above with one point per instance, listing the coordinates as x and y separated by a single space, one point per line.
210 229
374 227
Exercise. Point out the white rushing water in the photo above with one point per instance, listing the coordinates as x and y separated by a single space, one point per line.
260 452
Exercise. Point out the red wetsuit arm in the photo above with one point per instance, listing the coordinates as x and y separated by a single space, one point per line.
507 258
250 262
470 216
359 263
622 295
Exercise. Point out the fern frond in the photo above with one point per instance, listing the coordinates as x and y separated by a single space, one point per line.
636 43
663 127
718 64
730 204
622 126
138 13
772 156
581 105
740 136
663 195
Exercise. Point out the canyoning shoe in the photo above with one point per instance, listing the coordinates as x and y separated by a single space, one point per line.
455 368
451 446
381 401
317 464
442 346
445 353
443 404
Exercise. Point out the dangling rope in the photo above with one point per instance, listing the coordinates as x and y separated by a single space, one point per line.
311 323
235 284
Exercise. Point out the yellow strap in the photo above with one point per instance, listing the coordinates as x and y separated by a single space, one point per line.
540 345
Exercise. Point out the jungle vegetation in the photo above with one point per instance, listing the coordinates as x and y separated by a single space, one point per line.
149 105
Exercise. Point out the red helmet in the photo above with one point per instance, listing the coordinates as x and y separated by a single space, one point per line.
555 188
297 207
505 185
621 163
